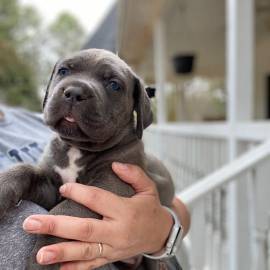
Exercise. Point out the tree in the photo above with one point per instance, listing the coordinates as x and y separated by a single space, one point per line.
66 33
9 12
17 79
17 85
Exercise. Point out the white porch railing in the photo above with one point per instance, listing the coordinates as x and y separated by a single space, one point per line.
193 151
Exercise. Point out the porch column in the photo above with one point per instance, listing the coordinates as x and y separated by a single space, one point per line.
240 81
160 70
240 54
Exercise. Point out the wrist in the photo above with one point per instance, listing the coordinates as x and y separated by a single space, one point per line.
173 242
183 214
164 231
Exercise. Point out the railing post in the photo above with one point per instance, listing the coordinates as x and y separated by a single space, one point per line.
239 69
160 70
160 77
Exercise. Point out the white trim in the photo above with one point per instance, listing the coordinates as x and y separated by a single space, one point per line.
249 131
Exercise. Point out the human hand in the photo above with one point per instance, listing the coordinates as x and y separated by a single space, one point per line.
130 226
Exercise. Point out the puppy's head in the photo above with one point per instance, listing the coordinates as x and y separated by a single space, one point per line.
91 98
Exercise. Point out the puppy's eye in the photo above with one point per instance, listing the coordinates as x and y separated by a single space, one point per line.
115 86
63 71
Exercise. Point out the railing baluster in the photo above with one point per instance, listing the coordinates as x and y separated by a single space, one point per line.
223 229
217 231
251 189
209 232
261 263
208 246
268 243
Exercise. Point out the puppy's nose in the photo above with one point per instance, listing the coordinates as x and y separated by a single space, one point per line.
76 94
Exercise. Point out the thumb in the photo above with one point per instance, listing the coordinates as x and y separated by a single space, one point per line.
134 176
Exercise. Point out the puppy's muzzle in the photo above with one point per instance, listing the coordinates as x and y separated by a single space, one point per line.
75 94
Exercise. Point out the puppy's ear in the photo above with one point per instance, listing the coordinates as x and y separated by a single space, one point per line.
48 87
142 107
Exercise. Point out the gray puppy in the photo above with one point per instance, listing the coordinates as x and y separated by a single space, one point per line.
90 103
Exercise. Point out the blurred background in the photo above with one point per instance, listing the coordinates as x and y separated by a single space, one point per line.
209 61
34 34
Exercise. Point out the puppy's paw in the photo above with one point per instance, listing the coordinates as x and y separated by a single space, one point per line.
6 202
42 240
33 265
8 196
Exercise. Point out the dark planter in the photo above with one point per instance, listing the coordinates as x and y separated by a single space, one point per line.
151 91
183 64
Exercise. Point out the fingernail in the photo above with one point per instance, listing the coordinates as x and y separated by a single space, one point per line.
122 166
31 224
62 189
46 256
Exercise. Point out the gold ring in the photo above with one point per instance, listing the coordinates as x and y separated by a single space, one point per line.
100 246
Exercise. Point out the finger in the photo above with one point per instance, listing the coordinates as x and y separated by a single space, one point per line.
88 265
82 229
99 200
135 176
72 251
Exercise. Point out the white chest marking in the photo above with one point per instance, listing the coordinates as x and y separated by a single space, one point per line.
70 173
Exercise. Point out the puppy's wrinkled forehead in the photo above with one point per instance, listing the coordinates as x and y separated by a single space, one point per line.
98 62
